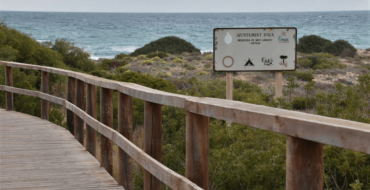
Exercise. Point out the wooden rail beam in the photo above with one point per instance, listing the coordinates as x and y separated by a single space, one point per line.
9 82
152 141
80 102
44 89
125 164
197 149
304 164
91 109
106 117
71 97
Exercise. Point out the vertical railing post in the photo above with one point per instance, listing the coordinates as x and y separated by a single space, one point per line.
125 164
106 117
197 149
304 164
71 98
9 82
152 140
80 102
44 89
91 109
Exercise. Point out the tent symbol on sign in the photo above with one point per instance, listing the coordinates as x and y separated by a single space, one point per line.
249 63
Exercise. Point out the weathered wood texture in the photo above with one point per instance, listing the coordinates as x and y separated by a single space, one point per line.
337 132
9 82
278 84
44 89
125 163
71 97
152 141
164 174
37 154
304 164
91 109
106 117
197 149
80 102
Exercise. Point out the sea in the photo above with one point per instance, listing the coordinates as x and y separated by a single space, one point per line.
105 35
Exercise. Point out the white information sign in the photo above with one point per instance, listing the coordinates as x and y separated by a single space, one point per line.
254 49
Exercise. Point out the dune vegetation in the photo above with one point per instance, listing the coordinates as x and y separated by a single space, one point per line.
241 157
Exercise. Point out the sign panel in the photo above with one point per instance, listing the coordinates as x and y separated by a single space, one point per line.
254 49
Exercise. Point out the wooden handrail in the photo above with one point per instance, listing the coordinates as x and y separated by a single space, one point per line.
305 131
164 174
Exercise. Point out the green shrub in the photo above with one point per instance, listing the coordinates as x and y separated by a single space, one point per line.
74 56
177 60
147 62
311 44
157 54
209 57
169 44
338 47
299 103
141 57
164 74
120 56
305 76
347 53
156 59
202 73
305 63
321 61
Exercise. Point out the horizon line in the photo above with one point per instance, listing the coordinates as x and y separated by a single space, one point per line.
180 12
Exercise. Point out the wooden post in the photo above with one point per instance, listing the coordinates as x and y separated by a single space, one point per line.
71 98
152 140
80 102
91 109
125 164
44 89
106 117
229 85
304 164
278 84
197 149
9 82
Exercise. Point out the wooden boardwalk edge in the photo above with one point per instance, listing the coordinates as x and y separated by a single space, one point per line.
38 154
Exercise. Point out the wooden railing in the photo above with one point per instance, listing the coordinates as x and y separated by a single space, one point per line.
306 133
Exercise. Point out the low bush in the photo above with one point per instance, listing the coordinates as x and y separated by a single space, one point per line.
202 73
169 44
164 74
338 47
299 103
157 54
147 62
347 53
312 44
305 76
141 57
120 56
209 57
178 60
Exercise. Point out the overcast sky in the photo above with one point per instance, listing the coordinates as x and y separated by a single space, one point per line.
183 6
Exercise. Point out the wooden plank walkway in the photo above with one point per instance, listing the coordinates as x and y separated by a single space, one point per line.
37 154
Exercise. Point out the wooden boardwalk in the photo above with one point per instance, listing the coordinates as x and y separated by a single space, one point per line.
37 154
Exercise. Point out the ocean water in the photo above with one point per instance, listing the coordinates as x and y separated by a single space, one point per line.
105 35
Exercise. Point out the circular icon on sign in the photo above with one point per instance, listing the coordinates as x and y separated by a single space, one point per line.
228 61
228 38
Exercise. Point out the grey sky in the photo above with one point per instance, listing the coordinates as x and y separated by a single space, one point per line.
183 6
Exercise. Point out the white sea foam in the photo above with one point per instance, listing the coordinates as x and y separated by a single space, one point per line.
124 48
97 58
